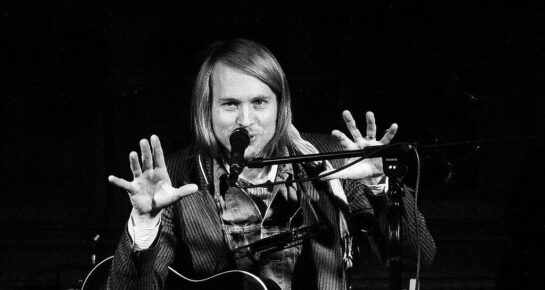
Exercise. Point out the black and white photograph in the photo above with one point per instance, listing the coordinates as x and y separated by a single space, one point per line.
328 145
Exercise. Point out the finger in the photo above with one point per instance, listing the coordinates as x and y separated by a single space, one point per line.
168 195
351 125
147 162
390 134
120 182
371 125
186 190
158 157
344 140
135 165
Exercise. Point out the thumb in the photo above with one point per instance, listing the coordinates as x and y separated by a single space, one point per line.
356 171
336 175
186 190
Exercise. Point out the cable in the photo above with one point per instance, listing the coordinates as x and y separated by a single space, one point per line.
417 187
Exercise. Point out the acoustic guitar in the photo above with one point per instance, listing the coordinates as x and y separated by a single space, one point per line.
228 280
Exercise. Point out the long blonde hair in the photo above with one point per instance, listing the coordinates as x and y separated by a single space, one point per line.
255 60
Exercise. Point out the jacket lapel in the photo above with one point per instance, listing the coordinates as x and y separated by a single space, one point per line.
201 227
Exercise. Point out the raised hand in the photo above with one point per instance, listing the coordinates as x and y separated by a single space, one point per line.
369 168
151 189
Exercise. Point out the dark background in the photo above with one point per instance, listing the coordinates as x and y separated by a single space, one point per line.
85 81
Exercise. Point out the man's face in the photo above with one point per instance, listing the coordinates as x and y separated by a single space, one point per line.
241 100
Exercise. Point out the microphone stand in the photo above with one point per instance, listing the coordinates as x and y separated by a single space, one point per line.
393 168
369 151
395 171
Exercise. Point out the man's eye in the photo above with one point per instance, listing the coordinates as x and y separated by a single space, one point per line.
260 102
230 104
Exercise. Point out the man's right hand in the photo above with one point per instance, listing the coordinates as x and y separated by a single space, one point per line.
150 190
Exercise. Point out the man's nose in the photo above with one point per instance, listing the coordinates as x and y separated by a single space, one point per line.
245 116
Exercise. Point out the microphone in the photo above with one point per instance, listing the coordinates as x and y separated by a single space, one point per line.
239 139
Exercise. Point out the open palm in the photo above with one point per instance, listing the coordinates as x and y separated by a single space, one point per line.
151 189
369 168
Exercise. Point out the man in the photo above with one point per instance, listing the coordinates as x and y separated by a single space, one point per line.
185 214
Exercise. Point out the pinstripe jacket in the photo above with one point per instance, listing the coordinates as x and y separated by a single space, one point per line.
191 238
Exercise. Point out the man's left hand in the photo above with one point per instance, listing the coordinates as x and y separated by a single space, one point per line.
369 169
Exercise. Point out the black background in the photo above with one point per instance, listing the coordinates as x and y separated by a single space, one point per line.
84 81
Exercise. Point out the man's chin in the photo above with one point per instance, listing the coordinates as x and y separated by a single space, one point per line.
250 154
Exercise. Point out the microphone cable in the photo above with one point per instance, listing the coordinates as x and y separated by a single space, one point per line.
416 191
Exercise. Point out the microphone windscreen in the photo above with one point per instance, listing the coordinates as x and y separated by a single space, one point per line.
240 138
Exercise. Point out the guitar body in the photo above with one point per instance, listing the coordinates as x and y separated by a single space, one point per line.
229 280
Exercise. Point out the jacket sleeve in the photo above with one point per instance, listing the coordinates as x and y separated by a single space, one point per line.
144 269
369 215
